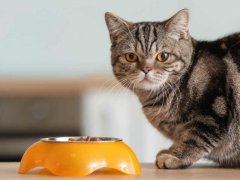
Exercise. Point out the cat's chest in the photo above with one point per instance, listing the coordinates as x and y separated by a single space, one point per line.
163 120
163 113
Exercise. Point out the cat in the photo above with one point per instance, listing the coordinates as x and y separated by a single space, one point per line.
189 89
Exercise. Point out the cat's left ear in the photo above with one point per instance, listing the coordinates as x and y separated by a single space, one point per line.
178 25
116 26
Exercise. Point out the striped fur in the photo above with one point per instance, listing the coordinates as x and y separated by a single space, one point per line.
193 98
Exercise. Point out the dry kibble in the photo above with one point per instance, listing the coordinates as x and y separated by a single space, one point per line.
84 138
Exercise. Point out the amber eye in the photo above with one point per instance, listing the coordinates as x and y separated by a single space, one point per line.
131 57
162 56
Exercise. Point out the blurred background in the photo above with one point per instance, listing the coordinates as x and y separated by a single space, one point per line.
55 72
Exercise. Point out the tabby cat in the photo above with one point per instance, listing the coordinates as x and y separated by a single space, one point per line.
189 89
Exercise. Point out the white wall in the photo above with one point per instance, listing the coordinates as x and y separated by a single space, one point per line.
68 38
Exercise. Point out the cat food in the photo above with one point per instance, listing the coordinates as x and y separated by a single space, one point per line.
85 138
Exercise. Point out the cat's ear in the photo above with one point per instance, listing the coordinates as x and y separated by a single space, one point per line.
116 26
178 25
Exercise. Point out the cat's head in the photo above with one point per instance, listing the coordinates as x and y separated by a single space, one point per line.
150 55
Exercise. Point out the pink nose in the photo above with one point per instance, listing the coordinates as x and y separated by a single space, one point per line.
146 69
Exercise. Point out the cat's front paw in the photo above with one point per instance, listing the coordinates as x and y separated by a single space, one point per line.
166 160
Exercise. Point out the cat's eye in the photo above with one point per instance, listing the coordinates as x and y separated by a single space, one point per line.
163 56
131 57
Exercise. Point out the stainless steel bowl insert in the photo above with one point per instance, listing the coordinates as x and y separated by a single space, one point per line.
81 139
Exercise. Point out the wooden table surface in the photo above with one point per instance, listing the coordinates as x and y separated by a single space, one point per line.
203 172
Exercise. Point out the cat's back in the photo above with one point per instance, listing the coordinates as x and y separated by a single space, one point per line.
218 60
228 45
217 69
232 45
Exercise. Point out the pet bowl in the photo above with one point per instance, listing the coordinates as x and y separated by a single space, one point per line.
80 156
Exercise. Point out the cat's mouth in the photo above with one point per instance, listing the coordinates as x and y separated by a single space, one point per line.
147 79
148 82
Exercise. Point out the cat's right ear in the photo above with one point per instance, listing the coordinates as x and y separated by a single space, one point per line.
116 26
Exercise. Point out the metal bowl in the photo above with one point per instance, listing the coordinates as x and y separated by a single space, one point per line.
81 139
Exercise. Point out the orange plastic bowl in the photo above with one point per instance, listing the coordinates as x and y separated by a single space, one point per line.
79 158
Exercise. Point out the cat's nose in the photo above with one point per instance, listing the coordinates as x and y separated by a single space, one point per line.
146 69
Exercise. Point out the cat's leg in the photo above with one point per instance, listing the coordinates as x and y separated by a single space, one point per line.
179 155
194 143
